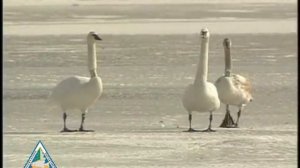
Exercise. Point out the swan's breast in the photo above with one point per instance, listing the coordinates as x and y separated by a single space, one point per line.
95 86
213 95
201 99
188 98
224 86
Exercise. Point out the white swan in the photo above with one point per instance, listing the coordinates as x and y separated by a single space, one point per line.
233 89
201 96
80 92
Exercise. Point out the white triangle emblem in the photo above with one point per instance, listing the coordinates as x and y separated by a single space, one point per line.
40 158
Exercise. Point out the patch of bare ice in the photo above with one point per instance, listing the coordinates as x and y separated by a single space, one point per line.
265 26
97 16
237 10
289 56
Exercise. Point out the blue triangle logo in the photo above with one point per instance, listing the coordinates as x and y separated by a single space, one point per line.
40 158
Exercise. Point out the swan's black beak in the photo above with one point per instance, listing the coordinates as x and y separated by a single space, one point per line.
204 33
96 36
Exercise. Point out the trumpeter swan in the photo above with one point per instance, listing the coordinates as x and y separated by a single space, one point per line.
80 92
233 89
201 96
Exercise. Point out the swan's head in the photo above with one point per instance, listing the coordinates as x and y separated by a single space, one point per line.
227 43
93 36
204 33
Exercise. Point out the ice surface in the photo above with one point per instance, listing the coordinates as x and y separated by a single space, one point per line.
144 75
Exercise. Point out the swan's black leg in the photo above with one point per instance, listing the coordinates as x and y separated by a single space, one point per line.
228 120
190 124
65 129
65 118
82 122
238 118
209 126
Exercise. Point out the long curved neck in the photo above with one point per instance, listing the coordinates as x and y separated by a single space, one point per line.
92 58
227 61
201 75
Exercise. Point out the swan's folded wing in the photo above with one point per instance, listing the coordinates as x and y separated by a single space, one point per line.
242 83
68 86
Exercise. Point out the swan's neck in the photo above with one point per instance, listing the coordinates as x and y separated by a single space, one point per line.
92 58
93 73
201 74
227 62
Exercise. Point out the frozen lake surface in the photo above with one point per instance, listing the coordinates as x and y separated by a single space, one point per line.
147 57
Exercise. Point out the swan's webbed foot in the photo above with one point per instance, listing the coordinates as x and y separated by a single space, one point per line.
68 130
228 121
209 130
81 129
191 130
84 130
235 126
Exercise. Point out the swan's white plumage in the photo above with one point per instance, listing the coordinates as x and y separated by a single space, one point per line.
201 96
233 89
80 92
77 92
